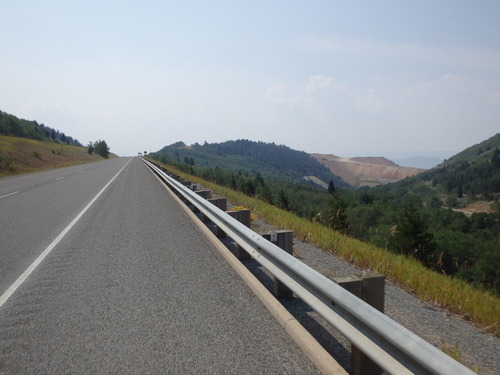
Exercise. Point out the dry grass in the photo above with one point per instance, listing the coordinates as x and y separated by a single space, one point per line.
481 307
28 155
482 206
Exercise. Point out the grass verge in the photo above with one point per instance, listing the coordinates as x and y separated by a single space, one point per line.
455 295
22 155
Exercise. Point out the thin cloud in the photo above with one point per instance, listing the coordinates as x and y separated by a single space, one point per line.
318 82
276 93
451 56
370 101
494 98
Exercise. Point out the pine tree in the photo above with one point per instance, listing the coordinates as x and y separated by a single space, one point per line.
411 237
101 148
331 187
337 218
283 201
266 195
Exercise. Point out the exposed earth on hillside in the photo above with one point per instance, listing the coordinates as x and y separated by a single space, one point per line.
476 207
365 171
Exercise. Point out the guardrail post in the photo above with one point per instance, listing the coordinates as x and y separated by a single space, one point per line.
243 216
284 240
369 286
373 289
219 203
204 193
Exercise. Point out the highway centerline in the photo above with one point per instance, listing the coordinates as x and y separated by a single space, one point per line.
8 195
54 243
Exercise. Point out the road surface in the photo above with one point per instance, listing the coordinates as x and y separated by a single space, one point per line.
128 283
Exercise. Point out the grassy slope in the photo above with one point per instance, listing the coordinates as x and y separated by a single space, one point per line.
453 294
27 155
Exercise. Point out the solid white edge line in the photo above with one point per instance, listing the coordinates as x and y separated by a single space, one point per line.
8 195
6 295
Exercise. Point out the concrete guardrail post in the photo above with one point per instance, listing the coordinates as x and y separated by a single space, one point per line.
284 240
182 198
219 203
204 193
243 216
368 286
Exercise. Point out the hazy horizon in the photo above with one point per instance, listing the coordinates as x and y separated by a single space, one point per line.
351 79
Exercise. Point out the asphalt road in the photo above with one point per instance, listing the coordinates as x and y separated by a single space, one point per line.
132 287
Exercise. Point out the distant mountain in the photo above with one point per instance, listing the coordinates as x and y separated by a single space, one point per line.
423 162
270 160
365 171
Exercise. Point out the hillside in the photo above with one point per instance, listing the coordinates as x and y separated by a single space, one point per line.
483 150
12 126
365 171
271 161
22 155
469 179
447 217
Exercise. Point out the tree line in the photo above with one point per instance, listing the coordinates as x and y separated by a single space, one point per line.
12 126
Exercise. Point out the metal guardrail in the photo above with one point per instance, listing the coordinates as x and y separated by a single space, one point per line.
392 347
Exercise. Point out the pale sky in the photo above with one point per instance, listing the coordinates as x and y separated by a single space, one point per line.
350 78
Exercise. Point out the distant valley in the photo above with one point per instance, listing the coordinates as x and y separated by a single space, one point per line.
425 162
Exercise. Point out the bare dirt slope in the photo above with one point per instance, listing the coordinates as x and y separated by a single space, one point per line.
365 171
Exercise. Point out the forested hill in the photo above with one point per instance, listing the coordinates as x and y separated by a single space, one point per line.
481 151
470 176
269 160
12 126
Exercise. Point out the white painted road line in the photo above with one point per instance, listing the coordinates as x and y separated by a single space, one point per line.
54 243
60 178
8 195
